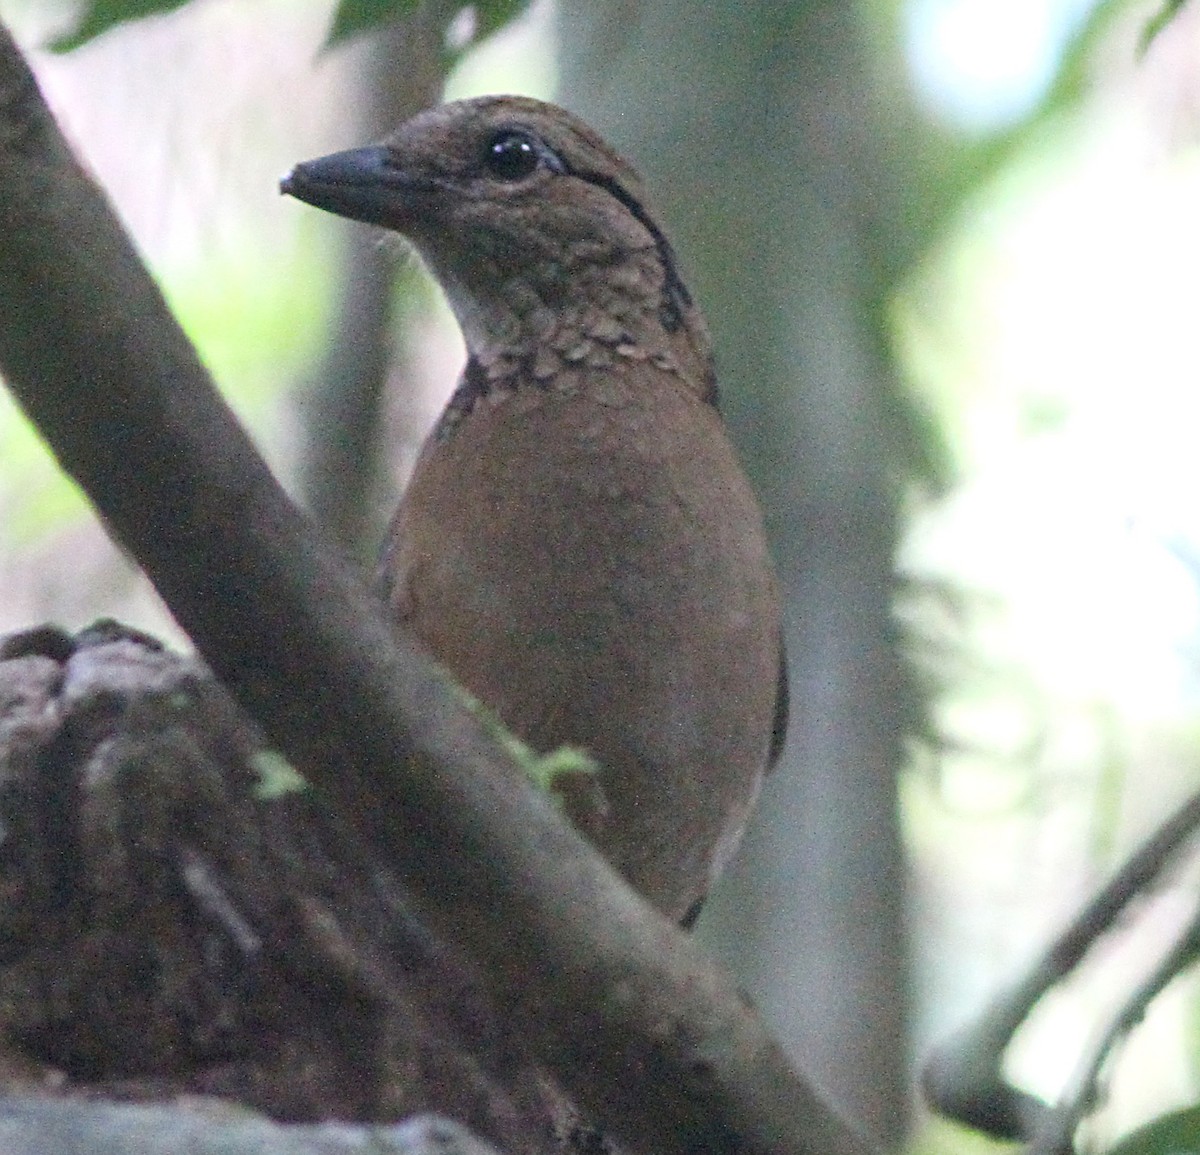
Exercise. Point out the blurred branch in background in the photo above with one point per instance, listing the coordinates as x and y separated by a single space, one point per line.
413 48
963 1077
1065 723
781 157
342 458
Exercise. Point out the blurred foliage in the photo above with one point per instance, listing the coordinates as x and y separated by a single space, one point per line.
355 16
1175 1134
256 327
937 1136
954 166
358 16
352 18
101 15
46 497
1159 21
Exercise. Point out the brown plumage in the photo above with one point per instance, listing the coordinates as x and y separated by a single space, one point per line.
578 543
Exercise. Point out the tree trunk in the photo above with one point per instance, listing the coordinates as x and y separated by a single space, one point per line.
756 133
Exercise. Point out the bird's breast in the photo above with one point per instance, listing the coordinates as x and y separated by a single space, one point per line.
593 567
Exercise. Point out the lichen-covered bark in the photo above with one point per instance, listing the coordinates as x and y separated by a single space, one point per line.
179 918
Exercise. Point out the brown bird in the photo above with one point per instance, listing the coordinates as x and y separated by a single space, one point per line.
578 543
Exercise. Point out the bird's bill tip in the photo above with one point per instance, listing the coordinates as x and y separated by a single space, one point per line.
358 183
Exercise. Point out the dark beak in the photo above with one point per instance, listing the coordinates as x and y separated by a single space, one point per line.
359 184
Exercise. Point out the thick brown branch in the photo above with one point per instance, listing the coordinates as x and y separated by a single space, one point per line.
637 1022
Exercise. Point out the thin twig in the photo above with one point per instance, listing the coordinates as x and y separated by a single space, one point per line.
963 1077
1055 1134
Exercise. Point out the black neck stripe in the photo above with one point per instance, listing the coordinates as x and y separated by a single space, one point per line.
676 297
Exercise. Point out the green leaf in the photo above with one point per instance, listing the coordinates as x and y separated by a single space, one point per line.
1158 22
101 15
356 16
492 15
276 776
1174 1134
567 765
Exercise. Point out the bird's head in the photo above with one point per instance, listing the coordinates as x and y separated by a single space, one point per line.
519 209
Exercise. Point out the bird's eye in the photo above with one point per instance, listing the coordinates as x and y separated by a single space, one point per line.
511 156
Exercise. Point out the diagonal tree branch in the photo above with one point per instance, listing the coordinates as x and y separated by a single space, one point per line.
640 1026
964 1077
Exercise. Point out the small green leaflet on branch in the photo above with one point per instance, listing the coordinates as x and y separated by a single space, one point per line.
547 772
276 776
